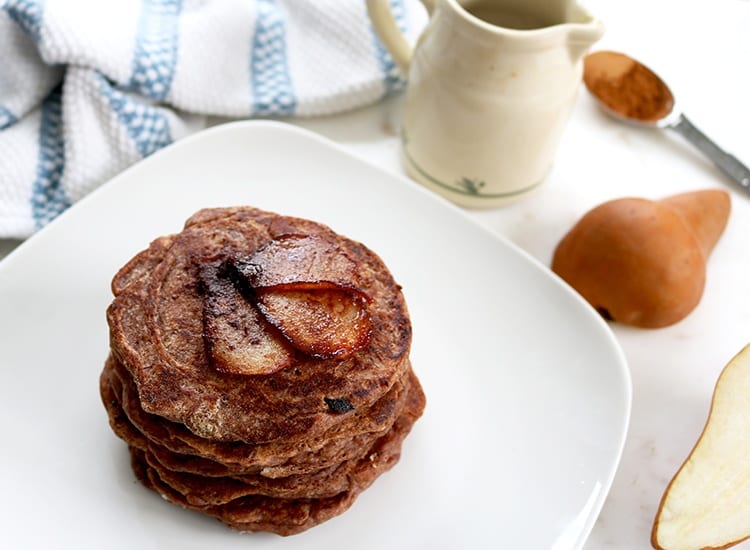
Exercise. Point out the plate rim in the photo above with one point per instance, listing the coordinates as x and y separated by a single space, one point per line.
622 370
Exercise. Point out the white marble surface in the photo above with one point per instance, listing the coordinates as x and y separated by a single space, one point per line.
702 47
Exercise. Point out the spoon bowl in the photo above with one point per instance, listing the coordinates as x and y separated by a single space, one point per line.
631 92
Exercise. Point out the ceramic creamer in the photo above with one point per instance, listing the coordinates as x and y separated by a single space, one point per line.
491 85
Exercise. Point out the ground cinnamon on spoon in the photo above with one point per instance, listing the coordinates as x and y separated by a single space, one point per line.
627 87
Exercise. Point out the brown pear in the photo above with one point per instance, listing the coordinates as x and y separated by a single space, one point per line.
642 262
706 213
707 503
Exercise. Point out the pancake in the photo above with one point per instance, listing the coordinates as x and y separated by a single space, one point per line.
156 333
287 516
203 459
198 455
213 488
259 369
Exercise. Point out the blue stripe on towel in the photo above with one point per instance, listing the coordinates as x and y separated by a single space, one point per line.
156 46
392 78
272 89
48 198
27 13
146 125
7 118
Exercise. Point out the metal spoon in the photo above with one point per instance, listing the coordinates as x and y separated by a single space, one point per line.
630 91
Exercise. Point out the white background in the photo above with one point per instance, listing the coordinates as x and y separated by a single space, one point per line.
702 49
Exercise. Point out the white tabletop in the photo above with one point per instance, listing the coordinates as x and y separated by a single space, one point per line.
702 48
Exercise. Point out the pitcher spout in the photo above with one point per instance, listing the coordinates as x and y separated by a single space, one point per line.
583 32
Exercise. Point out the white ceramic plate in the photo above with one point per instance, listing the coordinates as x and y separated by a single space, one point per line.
528 393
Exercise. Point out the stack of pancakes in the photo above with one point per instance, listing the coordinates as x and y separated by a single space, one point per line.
280 449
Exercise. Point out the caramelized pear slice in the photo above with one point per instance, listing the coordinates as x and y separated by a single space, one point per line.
238 339
707 504
323 322
307 287
297 259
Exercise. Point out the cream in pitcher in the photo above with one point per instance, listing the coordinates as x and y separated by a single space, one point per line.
491 87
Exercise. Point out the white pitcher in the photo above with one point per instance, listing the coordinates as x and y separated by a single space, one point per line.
491 84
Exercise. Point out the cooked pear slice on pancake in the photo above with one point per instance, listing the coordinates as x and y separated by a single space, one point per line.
325 322
306 287
296 259
238 338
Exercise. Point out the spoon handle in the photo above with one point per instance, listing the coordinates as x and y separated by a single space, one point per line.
728 164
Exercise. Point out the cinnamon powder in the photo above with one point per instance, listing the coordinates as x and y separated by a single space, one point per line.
627 87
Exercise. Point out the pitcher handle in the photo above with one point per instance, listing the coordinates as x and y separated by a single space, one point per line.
387 30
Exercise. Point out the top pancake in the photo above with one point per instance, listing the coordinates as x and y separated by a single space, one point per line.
156 332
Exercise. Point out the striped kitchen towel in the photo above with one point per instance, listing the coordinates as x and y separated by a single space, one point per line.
88 87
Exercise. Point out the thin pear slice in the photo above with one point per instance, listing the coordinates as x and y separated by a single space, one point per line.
238 339
324 322
707 504
308 288
297 259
